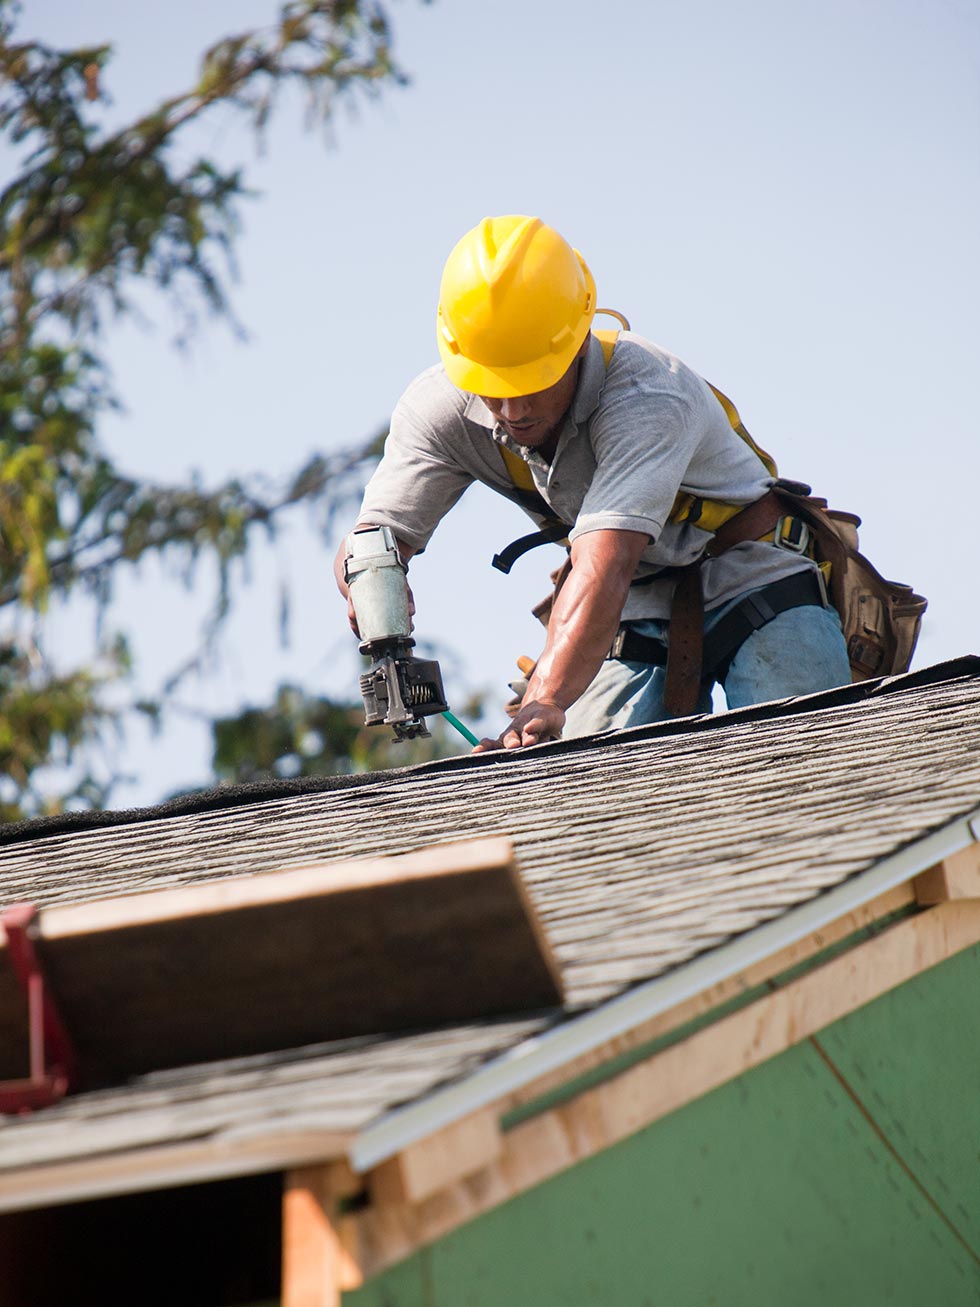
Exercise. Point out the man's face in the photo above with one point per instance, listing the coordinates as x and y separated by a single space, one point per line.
535 420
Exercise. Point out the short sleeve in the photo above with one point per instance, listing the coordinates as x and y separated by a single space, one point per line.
417 481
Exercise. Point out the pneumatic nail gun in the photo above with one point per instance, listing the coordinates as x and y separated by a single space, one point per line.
399 690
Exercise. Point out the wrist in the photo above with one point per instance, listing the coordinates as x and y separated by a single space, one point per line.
549 695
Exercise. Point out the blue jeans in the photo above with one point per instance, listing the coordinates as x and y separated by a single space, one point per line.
800 651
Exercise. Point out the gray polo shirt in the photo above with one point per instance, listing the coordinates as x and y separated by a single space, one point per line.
635 434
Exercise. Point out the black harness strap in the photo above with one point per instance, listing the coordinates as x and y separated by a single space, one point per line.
532 501
796 591
549 534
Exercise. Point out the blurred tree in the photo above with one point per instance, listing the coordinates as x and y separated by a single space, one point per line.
302 735
92 215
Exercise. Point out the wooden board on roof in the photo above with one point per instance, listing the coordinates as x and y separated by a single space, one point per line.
251 964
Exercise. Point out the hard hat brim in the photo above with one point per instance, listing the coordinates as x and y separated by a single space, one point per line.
509 383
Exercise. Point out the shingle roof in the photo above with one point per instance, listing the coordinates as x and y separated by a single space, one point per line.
641 850
331 1089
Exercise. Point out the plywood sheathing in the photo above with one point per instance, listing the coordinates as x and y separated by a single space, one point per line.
595 1119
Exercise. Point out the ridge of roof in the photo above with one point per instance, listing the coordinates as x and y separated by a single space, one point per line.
233 796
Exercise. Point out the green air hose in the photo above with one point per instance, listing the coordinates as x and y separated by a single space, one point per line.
465 731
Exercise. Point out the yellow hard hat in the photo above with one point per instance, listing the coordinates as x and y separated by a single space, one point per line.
515 304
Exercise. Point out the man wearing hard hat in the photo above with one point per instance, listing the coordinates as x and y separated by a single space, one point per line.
614 445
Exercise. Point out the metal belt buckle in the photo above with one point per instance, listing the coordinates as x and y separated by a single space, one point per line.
617 644
822 587
793 534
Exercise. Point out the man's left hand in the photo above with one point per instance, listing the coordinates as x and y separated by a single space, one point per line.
536 723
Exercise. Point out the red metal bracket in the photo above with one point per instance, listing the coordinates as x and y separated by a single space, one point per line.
53 1065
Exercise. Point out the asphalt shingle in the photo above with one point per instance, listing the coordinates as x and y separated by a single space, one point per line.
640 850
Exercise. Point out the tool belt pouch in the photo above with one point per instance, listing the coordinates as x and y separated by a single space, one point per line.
880 619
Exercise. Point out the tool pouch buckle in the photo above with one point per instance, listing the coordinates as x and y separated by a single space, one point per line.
792 534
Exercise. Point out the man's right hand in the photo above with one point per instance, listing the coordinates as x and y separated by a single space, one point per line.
535 723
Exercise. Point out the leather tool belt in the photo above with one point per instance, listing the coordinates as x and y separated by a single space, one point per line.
724 640
686 660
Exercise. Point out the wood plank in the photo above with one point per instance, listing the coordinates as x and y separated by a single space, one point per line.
252 964
544 1145
422 1169
315 1265
955 877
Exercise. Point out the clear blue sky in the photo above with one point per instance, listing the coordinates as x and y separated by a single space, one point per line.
787 195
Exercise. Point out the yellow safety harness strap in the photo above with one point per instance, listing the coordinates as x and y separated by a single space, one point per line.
708 514
731 412
517 468
520 473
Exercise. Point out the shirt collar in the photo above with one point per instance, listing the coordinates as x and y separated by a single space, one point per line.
590 383
476 411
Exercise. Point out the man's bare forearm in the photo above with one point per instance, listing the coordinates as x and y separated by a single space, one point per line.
581 630
586 615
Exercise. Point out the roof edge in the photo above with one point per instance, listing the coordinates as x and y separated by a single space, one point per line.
218 1157
548 1052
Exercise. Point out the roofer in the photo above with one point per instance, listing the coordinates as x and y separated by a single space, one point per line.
618 446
